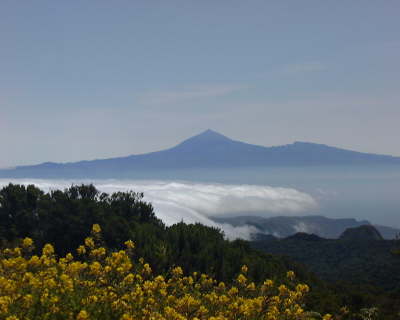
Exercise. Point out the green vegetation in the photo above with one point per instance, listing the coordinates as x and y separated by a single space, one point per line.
64 217
355 260
112 285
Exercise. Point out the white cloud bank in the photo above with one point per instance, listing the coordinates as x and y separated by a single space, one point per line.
197 202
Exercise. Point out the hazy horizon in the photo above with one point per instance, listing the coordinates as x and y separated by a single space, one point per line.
84 80
193 195
296 141
91 80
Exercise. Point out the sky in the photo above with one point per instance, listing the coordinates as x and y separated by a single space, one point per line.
98 79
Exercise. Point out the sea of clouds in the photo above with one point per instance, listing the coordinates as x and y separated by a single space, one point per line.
176 201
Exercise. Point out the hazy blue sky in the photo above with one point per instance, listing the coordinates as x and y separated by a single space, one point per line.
94 79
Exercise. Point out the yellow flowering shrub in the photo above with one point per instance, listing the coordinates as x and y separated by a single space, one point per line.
109 285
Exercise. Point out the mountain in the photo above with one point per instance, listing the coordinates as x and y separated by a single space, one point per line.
281 227
302 236
361 233
209 149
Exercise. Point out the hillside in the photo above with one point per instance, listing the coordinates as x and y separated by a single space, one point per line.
206 150
358 256
284 226
361 233
63 218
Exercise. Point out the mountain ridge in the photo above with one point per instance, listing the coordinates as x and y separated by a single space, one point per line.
286 226
208 149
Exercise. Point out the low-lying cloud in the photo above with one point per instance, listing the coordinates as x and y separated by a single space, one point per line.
175 201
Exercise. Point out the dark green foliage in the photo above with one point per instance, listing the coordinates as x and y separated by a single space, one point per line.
370 262
361 233
199 248
359 273
65 218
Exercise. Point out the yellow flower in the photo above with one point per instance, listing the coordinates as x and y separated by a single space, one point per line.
48 250
69 257
283 290
27 242
233 291
290 275
110 283
89 242
99 252
83 315
303 288
268 283
95 268
129 244
177 271
251 286
96 228
81 249
241 279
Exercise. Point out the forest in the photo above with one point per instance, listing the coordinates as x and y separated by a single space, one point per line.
367 261
65 218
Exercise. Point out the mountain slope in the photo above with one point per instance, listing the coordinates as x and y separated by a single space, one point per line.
284 226
361 233
368 260
206 150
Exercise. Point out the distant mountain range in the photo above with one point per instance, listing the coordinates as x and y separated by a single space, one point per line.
282 227
206 150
